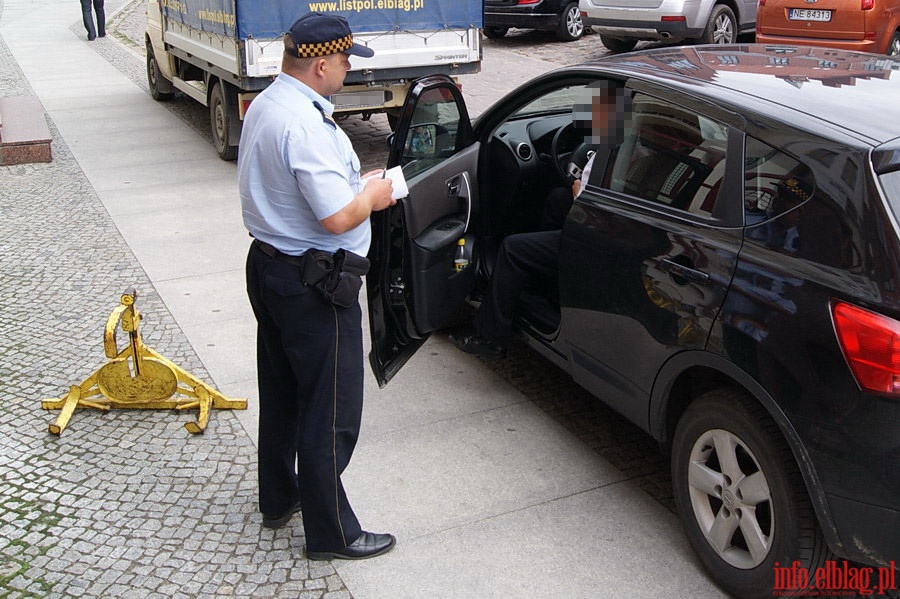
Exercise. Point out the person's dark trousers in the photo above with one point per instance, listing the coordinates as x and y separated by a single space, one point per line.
310 371
523 258
88 18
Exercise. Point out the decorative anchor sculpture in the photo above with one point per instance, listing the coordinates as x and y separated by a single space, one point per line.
139 378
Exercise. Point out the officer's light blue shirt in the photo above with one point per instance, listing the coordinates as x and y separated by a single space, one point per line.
296 168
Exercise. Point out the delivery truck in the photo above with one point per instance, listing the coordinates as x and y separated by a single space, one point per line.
222 53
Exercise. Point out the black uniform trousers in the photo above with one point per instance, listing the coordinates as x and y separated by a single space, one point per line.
523 258
310 363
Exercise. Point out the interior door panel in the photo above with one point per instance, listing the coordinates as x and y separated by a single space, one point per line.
435 217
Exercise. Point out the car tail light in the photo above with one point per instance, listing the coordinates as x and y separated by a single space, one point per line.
867 4
871 346
674 18
528 2
762 2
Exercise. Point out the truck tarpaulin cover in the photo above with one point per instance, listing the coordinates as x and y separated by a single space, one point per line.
269 19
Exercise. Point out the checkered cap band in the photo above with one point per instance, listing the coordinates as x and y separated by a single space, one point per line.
324 48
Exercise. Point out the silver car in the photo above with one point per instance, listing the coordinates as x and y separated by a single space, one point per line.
622 23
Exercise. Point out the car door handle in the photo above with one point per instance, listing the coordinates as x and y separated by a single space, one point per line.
460 188
681 271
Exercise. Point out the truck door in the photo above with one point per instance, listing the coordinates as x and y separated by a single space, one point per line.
413 285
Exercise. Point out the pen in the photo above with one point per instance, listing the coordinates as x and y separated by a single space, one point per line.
383 173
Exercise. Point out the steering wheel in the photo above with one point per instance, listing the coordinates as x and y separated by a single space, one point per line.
569 149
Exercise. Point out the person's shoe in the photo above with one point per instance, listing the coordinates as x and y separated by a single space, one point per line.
91 38
279 521
478 345
369 544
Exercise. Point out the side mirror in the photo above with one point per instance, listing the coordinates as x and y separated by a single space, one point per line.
421 141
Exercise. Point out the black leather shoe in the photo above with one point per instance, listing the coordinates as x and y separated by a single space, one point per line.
369 544
478 345
279 521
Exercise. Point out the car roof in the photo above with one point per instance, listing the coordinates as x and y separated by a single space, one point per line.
854 91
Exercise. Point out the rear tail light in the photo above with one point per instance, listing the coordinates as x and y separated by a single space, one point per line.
673 18
867 4
762 2
871 346
520 2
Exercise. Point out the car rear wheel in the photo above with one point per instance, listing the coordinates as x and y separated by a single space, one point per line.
615 44
740 495
495 33
894 46
571 27
721 27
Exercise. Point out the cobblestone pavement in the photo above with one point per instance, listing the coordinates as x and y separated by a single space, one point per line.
128 504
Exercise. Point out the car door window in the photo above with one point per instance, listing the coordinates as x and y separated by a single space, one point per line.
433 132
670 156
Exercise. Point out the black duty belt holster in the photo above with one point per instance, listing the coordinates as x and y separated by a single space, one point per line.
336 276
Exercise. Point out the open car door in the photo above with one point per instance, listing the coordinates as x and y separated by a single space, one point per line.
413 285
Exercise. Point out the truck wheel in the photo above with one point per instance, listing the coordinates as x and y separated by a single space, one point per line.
160 87
721 27
571 27
221 120
617 45
495 33
740 495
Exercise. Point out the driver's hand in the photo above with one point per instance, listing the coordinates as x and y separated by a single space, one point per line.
576 187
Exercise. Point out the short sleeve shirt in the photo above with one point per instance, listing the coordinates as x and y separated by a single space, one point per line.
296 167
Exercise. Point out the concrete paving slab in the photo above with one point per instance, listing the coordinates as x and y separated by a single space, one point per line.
619 542
450 473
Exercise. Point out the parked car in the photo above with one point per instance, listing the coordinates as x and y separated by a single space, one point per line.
623 23
729 280
561 16
862 25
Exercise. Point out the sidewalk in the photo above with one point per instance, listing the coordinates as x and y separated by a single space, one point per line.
488 496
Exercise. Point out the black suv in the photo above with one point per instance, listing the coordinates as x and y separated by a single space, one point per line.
729 280
561 16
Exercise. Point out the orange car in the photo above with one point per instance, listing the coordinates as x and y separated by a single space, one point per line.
865 25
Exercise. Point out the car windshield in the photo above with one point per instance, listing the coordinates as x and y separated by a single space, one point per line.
557 101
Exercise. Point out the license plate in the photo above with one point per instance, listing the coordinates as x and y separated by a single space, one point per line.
364 99
808 14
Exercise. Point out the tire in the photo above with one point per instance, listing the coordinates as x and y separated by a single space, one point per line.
570 27
740 495
617 45
160 87
894 47
221 122
721 27
495 33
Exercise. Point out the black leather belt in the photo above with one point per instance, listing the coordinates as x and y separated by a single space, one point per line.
273 252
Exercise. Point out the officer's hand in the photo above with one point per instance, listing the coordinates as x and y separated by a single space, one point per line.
379 191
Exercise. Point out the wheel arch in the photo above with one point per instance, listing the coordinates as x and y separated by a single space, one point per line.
688 375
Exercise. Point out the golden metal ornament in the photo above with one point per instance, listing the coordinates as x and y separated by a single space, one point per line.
137 377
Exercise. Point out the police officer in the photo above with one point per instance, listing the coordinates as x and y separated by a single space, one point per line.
301 192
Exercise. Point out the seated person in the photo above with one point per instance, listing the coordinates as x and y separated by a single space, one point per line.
532 256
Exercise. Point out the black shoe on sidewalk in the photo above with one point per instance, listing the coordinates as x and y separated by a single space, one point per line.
279 521
478 345
369 544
